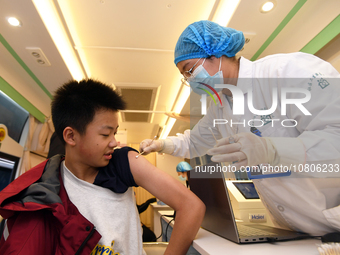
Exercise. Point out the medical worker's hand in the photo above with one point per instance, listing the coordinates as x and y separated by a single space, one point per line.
247 149
149 145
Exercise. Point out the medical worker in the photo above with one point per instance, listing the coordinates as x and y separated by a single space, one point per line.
182 170
303 136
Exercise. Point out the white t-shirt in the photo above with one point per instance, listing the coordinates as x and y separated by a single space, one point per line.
114 215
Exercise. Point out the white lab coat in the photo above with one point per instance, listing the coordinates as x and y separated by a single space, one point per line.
307 202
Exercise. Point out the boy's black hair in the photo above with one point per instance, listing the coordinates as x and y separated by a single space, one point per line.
75 104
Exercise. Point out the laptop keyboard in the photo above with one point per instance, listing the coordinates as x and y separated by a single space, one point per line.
250 231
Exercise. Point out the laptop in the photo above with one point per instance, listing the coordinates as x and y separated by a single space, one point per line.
219 217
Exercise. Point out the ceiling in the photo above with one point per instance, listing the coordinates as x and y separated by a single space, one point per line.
130 44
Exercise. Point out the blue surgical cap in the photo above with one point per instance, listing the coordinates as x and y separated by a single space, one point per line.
183 167
205 38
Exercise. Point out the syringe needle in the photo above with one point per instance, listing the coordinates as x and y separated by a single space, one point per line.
212 133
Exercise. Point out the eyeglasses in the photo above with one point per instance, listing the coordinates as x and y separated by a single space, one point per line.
187 74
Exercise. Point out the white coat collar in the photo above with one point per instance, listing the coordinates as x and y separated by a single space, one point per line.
244 81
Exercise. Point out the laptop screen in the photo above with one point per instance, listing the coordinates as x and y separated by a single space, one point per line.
211 189
247 189
8 168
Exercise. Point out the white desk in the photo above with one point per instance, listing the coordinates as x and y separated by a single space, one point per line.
156 225
208 243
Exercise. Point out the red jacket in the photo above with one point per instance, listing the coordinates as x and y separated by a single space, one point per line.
40 217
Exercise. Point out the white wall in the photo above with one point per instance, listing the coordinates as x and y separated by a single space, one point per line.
36 159
168 164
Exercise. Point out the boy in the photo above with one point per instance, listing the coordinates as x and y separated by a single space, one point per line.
83 203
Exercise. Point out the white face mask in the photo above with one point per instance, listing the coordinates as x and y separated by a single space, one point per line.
200 77
182 178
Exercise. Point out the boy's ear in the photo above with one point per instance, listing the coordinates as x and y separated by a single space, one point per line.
68 135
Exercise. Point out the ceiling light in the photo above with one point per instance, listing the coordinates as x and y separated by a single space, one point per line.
14 21
267 6
225 11
182 98
184 82
54 25
167 128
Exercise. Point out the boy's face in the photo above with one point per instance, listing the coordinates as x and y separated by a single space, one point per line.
96 145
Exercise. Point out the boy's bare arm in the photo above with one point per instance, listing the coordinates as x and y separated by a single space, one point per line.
189 208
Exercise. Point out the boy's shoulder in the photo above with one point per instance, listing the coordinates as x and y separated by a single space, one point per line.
117 175
120 157
123 151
